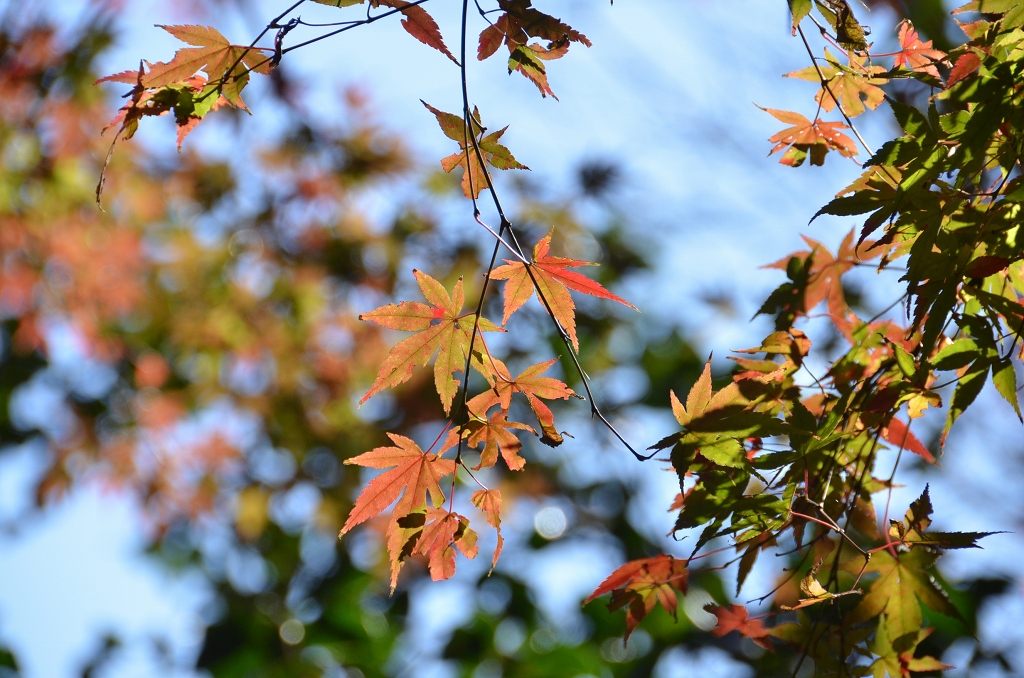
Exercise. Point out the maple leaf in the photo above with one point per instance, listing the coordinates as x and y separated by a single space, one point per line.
522 21
896 657
474 175
917 55
515 27
443 531
494 433
913 530
529 60
213 54
824 279
439 329
736 618
189 100
805 136
855 85
419 24
640 584
902 582
898 433
415 474
553 281
534 387
432 532
489 501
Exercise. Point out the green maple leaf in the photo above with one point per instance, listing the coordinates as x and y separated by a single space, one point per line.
903 584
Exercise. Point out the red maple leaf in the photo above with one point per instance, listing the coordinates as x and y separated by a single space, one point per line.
898 433
967 63
824 281
917 55
640 584
553 282
736 618
804 136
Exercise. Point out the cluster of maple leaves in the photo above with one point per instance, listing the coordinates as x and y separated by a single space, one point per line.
852 87
213 72
760 459
456 342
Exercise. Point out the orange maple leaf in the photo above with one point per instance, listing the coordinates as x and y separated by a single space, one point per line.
495 433
432 532
415 473
856 85
442 534
211 53
530 384
640 584
553 282
736 618
817 137
917 55
439 328
489 501
824 281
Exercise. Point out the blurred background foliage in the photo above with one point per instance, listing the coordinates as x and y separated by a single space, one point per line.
196 343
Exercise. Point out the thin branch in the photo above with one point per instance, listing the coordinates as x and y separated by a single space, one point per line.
827 88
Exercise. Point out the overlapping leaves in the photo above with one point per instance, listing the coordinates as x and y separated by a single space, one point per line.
477 148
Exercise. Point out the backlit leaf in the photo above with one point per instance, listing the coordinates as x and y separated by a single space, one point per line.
474 153
553 281
489 501
414 475
915 54
804 137
856 85
439 329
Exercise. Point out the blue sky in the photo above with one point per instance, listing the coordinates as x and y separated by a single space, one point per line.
668 89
